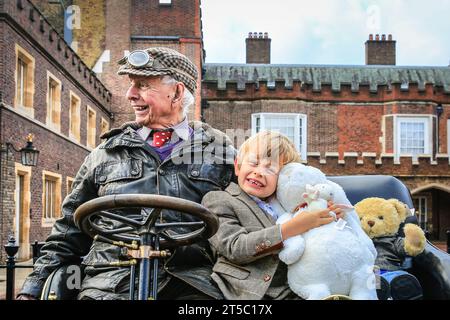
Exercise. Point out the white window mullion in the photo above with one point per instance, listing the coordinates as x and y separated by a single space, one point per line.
412 136
293 125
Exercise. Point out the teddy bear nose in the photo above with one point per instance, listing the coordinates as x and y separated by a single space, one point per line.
371 223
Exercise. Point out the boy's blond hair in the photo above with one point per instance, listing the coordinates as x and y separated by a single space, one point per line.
270 144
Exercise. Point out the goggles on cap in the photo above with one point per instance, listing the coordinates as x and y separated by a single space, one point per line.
140 59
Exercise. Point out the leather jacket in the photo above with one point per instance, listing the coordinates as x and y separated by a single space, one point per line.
125 164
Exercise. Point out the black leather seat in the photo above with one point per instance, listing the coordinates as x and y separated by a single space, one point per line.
432 267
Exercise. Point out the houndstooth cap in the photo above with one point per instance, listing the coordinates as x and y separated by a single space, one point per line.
164 61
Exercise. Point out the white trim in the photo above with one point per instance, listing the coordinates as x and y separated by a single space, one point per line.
422 224
300 145
75 135
50 107
428 139
448 136
89 128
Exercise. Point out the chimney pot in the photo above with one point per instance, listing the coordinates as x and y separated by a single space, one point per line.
250 35
380 52
257 48
371 37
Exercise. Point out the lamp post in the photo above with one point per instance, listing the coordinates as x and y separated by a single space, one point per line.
28 155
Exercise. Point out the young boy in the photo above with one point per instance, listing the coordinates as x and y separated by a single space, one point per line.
248 240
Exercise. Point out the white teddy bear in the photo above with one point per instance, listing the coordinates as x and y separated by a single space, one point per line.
336 258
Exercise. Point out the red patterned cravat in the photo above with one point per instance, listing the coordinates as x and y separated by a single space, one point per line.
161 137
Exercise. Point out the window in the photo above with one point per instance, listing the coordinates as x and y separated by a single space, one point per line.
24 81
51 197
53 102
413 136
165 2
91 124
420 204
105 126
74 132
292 125
69 183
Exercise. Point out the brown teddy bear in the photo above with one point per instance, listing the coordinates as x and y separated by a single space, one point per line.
381 220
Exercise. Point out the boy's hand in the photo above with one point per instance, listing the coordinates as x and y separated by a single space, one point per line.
307 220
338 209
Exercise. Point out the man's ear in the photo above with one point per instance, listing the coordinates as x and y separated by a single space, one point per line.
179 92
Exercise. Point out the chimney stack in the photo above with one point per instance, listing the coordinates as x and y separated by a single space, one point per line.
258 48
380 51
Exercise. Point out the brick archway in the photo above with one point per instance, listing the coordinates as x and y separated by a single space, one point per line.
431 186
436 199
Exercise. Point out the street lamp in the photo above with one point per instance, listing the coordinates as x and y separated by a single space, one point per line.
28 154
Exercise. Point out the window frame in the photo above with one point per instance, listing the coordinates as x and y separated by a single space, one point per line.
419 213
93 134
56 214
69 184
165 3
75 135
104 121
428 143
448 136
300 132
51 79
27 105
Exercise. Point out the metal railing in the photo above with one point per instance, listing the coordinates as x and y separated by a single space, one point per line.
11 250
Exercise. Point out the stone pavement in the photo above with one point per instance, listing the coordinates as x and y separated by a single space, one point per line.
21 274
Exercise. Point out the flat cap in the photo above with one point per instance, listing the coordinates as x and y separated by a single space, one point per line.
162 61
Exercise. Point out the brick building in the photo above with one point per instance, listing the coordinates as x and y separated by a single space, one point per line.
110 29
372 119
48 91
68 51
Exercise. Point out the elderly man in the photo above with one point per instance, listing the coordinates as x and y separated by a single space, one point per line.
159 153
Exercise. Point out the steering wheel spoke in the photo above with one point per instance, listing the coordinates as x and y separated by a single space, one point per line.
90 218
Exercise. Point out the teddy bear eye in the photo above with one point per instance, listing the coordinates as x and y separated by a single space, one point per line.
380 217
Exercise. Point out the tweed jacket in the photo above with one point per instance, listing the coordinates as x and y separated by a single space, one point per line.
247 244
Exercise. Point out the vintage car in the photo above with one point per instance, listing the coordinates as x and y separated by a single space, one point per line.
431 268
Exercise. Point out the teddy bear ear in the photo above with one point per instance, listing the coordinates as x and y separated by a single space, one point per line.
402 209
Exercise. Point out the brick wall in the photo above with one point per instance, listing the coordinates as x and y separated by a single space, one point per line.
178 19
54 13
126 20
58 153
91 35
380 51
257 49
7 204
25 22
341 122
